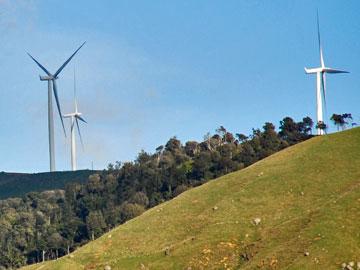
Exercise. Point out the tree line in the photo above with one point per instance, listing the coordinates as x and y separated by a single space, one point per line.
47 225
339 120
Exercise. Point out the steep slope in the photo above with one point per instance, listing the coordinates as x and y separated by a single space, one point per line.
307 197
18 184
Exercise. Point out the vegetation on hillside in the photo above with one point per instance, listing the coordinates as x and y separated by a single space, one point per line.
342 120
43 226
296 209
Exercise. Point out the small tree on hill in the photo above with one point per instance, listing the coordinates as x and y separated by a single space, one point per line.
321 125
347 118
338 120
307 125
341 120
95 224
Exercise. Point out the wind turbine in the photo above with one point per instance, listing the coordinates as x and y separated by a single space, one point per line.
51 79
75 117
321 81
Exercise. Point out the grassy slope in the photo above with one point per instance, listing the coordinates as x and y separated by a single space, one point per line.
18 184
307 196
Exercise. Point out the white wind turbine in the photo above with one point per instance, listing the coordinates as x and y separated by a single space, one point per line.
51 79
321 82
74 119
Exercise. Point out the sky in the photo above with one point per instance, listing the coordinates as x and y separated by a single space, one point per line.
151 70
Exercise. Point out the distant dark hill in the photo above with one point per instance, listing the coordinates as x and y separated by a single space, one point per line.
18 184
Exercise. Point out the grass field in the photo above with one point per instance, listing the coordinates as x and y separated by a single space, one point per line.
307 197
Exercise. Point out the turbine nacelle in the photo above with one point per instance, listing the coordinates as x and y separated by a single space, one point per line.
313 70
46 78
323 70
76 115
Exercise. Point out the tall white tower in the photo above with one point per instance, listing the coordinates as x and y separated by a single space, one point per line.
74 117
321 82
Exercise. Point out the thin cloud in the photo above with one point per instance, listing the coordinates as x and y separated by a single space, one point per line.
17 14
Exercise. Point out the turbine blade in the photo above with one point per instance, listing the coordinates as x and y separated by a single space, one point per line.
67 61
321 58
78 128
323 82
332 70
80 118
319 39
75 101
318 29
58 105
41 66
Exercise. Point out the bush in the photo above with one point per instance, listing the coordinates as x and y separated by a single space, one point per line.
140 198
130 210
180 189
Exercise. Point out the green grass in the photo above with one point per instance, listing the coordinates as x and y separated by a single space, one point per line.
308 199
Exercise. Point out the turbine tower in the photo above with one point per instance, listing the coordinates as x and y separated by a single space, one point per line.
52 88
321 82
74 118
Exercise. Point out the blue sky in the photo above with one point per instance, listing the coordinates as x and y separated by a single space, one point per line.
154 69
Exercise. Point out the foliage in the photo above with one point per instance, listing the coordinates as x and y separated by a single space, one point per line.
321 125
341 120
306 197
46 225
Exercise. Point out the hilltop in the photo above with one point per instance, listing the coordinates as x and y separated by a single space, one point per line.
18 184
43 226
306 199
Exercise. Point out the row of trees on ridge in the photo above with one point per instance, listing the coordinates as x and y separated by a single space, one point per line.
46 225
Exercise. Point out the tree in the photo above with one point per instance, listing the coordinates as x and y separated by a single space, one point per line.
140 198
308 124
159 151
215 141
143 157
131 210
222 160
95 183
347 117
341 120
269 140
338 120
191 148
321 125
293 132
247 155
180 189
69 229
229 137
201 166
56 242
95 224
222 132
241 137
173 145
206 143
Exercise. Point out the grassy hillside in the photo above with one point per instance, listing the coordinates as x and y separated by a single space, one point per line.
307 197
18 184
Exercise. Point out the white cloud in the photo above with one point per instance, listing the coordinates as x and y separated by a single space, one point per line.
17 15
